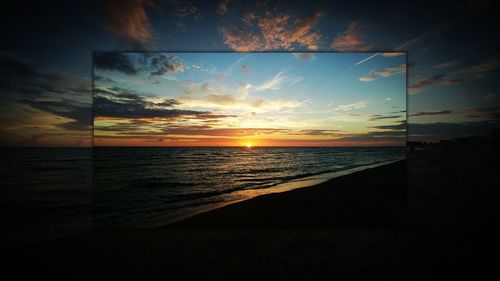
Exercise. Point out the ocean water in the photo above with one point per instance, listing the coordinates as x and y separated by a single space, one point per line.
44 192
141 187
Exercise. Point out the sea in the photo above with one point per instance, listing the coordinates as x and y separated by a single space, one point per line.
50 192
151 186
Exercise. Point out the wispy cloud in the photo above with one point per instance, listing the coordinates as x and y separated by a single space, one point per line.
351 40
425 82
453 82
423 36
412 41
387 72
492 63
447 64
278 80
352 106
376 117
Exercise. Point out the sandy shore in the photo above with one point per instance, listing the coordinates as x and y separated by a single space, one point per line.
324 228
373 198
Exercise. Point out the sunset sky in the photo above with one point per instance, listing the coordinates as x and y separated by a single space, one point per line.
262 99
453 60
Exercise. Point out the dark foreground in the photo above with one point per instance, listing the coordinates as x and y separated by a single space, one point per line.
362 226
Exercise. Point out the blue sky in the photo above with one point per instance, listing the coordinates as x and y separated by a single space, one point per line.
290 98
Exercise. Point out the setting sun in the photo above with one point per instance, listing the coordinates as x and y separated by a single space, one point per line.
249 145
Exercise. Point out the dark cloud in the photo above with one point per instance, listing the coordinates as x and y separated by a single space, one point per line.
119 103
376 117
63 95
81 114
163 64
390 137
427 113
128 19
182 8
222 7
114 61
12 67
445 130
401 126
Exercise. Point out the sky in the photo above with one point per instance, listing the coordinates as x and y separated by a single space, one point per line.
46 57
257 99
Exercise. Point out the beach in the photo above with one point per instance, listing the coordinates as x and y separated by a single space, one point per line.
351 227
334 222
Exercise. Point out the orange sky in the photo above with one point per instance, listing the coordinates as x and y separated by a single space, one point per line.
238 142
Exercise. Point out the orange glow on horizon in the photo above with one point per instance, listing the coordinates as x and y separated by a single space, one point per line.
225 142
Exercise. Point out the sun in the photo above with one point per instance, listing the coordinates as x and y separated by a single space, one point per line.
249 145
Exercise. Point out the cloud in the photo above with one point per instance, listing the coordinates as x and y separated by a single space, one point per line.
424 35
489 97
431 113
127 19
491 113
387 72
392 54
66 96
205 87
222 7
272 31
352 106
278 80
400 126
155 64
120 103
329 133
446 130
79 114
183 9
245 68
447 64
425 82
304 56
165 64
376 117
452 82
386 137
350 40
237 103
273 83
114 61
479 70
